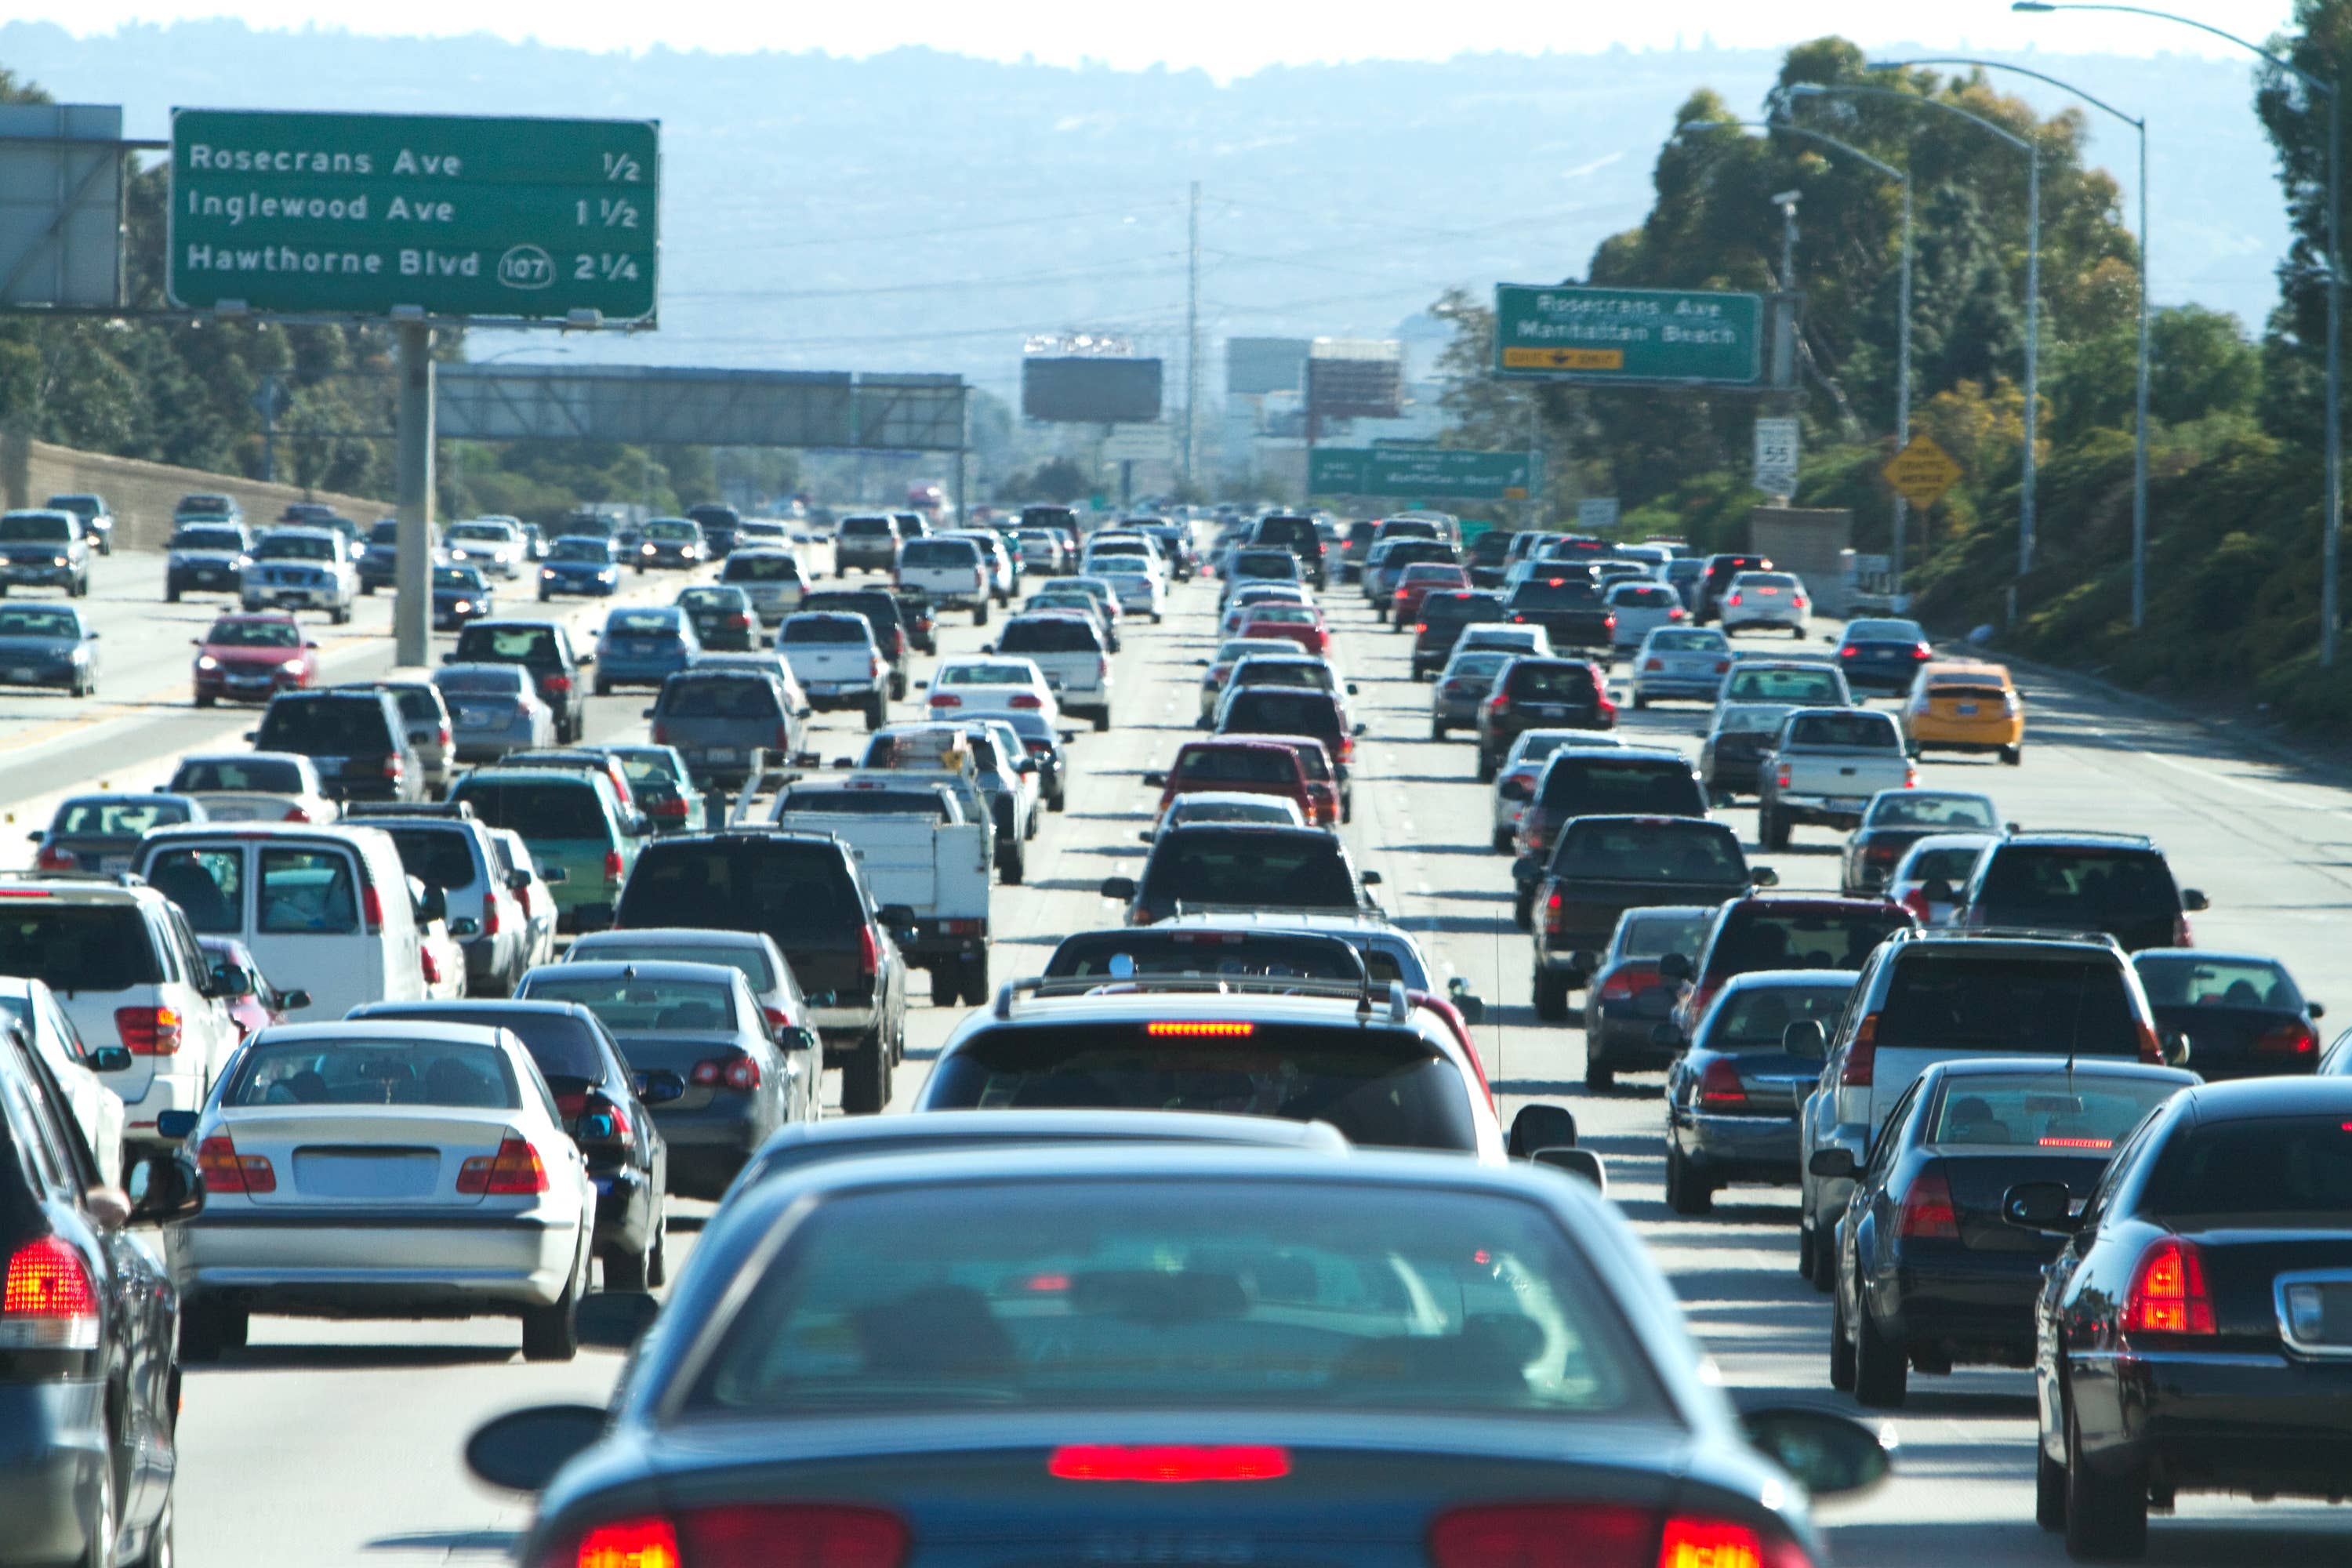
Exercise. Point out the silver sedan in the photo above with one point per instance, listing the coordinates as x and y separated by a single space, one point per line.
494 709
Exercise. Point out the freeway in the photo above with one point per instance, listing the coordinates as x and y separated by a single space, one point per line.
336 1443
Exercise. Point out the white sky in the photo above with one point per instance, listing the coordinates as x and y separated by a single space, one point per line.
1226 37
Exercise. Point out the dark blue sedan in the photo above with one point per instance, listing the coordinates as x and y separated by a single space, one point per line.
1148 1353
48 644
580 564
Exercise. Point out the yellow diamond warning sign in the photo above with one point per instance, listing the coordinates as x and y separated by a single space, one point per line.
1921 472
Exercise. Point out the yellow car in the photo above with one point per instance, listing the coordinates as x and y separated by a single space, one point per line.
1965 706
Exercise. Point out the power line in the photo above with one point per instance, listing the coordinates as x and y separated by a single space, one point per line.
944 285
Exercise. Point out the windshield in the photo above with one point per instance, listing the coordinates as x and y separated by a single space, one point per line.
640 1005
1554 593
1948 865
1283 672
478 682
1209 807
2186 980
541 809
592 550
254 634
31 623
437 857
761 569
463 579
1885 631
2104 884
795 892
78 947
1282 710
1055 634
488 532
295 547
1656 935
1792 934
1857 731
2046 1110
35 528
1547 682
1949 1002
227 539
374 1072
659 528
509 645
985 675
1687 642
327 726
1925 808
706 698
867 802
1614 786
1755 1017
115 818
643 624
922 552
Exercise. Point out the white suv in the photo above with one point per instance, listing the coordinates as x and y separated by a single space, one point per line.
124 966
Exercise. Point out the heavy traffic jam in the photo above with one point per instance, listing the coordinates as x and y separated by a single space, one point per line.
986 1021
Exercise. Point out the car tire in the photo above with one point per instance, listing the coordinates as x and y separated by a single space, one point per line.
1840 1350
1486 766
2049 1490
866 1077
1502 841
1687 1193
1640 702
1825 1261
2012 756
1436 731
975 981
208 1328
1012 864
1523 905
1771 833
1804 1252
1551 996
898 686
2106 1518
1882 1374
1599 1076
877 714
947 982
170 593
629 1270
205 701
980 612
552 1333
1059 801
602 688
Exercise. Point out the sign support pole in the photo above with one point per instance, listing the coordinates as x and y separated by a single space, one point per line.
412 610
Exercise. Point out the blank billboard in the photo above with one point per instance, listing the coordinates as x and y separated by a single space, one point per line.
1257 365
1090 390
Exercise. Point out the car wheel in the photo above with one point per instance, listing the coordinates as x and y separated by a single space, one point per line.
980 612
947 983
2012 756
171 593
552 1333
1523 908
1825 1259
2107 1517
628 1270
975 981
602 688
205 701
1687 1193
1486 766
657 1259
1841 1350
1599 1076
1640 702
1551 996
898 686
866 1077
1771 833
877 714
1012 864
2049 1490
1881 1373
1502 841
1436 731
1804 1252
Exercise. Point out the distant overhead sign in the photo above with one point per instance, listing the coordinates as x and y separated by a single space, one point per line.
1086 389
1627 335
1139 444
62 217
449 215
1428 473
1355 378
1255 366
657 405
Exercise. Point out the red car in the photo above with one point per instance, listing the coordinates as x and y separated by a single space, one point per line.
1297 622
1417 584
252 658
1253 767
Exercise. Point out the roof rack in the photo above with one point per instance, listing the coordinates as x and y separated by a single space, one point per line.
458 810
95 879
2103 834
2001 933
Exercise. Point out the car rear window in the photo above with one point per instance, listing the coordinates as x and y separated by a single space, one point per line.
1263 671
1234 764
1241 867
1654 936
1461 608
1282 710
1543 682
795 892
866 803
825 629
1642 597
1687 642
563 1045
2273 1172
2045 1110
227 539
2104 884
1857 731
1773 933
633 1003
920 553
761 569
1554 593
374 1072
1796 688
78 947
595 551
326 726
437 857
720 697
644 624
481 682
1966 691
2186 980
534 646
1754 1018
1673 849
746 959
1617 786
544 809
2011 1005
1924 808
115 818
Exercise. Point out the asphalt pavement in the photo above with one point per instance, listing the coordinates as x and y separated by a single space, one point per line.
336 1443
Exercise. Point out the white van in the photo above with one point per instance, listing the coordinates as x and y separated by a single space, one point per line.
325 907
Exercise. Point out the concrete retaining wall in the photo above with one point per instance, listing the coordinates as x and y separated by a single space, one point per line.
143 494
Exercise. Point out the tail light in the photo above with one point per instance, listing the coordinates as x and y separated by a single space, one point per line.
515 1170
489 914
1675 614
661 733
1719 1088
1796 602
1780 778
49 1301
1723 667
1880 852
296 813
1609 622
1910 776
2289 1039
777 1018
371 908
2182 936
739 622
1916 900
1175 1463
429 964
557 686
226 1170
1653 663
1498 706
743 1074
148 1031
614 870
1601 1535
2168 1291
1862 1057
54 859
1927 1211
441 737
1627 981
1419 627
946 700
869 953
1733 600
1554 913
1849 652
742 1535
1025 700
1920 651
1602 706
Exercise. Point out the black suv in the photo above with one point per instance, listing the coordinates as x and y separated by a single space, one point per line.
721 526
541 647
1604 865
2116 883
1444 614
804 890
1233 865
356 736
1298 535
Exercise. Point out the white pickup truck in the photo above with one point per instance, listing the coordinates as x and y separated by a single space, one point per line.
949 572
1825 766
833 656
919 851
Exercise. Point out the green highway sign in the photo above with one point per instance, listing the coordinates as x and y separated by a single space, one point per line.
1598 336
1431 473
449 215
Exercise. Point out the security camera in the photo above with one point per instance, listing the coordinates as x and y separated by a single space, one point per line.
1786 198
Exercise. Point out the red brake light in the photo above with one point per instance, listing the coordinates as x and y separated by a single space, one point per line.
556 685
2293 1038
515 1170
371 908
1025 700
148 1031
51 860
1927 1209
777 1018
1849 652
869 953
1218 1028
296 813
1920 651
1601 1535
1654 664
744 1535
1169 1462
1862 1057
226 1170
1782 780
946 700
1552 913
1733 600
614 870
1720 1087
49 1301
2168 1291
743 1074
430 965
668 805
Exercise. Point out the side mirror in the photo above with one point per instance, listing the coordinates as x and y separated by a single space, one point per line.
646 712
108 1058
521 1450
1516 789
1351 689
1204 664
659 1086
1828 637
2194 902
1806 1040
1579 1162
596 1128
1835 1165
799 1037
2040 1206
1526 869
1675 966
465 926
1356 729
2175 1050
252 736
308 647
898 915
2315 1009
35 837
922 685
228 981
162 1189
554 874
1473 1008
1828 1455
1371 878
988 648
293 1001
175 1125
1147 836
1763 876
1155 780
1541 1127
1119 888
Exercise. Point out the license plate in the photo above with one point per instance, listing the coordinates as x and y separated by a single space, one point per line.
1966 710
110 864
1548 710
477 718
828 687
720 754
328 767
1846 803
24 677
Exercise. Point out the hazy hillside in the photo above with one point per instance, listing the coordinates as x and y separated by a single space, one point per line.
920 211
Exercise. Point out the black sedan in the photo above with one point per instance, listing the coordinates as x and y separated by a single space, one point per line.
89 1366
2243 1012
2195 1332
603 1105
1895 820
1929 1274
1882 656
1011 1354
1736 1093
1045 746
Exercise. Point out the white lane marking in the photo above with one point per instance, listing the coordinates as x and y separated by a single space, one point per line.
2258 791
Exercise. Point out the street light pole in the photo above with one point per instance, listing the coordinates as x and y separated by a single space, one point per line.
2331 525
2025 509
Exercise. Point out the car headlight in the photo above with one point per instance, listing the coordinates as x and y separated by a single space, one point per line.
57 560
207 661
462 607
645 550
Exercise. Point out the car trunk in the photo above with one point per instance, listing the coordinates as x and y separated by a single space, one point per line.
1587 910
2243 1269
679 1052
359 1155
2240 1042
1979 1175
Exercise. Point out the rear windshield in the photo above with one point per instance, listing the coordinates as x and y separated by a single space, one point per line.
1380 1087
1951 866
481 682
2273 1172
644 624
825 628
1687 642
865 527
1229 868
640 1005
1941 812
78 947
1626 786
1265 563
1274 808
1464 608
1234 764
867 802
489 532
1543 682
1282 710
939 553
1283 672
1200 1294
2104 884
1791 934
326 726
1797 688
1053 633
2045 1110
374 1072
543 809
33 623
293 547
208 539
1966 691
437 857
534 646
563 1045
595 551
1755 1017
2185 980
1654 936
1645 598
463 579
267 776
115 818
761 569
1554 593
749 961
2009 1006
1201 953
1674 850
708 698
795 892
1865 731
